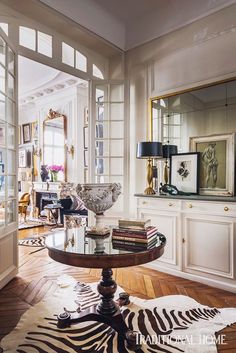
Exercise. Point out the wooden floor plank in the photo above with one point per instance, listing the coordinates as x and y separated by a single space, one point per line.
38 274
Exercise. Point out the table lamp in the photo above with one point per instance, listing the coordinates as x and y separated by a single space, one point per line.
149 150
168 150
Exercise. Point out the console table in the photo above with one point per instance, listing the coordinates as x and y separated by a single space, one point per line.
191 223
73 247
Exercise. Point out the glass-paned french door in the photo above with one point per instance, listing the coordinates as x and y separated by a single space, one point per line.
107 133
8 162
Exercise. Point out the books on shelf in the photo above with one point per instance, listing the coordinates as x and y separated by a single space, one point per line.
139 224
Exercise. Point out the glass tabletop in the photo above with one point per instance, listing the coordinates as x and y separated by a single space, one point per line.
77 241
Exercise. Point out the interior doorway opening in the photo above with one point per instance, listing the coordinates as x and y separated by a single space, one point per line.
52 120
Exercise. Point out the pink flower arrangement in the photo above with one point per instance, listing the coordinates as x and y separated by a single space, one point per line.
56 168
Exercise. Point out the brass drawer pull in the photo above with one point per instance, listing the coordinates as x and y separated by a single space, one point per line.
190 205
170 204
144 202
226 208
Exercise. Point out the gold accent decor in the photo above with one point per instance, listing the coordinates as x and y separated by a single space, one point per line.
149 190
166 172
71 150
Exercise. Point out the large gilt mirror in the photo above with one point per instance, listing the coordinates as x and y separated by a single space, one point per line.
201 120
54 145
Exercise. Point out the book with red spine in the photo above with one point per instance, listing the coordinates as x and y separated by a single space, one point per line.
134 239
135 233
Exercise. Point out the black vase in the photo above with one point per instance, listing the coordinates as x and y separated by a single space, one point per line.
44 173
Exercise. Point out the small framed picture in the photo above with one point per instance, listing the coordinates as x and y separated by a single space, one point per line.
26 133
184 171
85 158
22 158
85 137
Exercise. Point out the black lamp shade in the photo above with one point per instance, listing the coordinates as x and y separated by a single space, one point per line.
168 150
149 150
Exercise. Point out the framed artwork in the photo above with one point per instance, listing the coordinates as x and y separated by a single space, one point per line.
217 163
26 130
85 136
184 172
22 158
85 158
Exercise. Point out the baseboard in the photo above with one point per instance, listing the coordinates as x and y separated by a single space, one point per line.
8 277
208 281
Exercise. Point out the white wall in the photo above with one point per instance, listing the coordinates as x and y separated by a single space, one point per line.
201 53
71 102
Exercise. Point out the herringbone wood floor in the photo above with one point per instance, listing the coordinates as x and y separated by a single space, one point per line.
37 272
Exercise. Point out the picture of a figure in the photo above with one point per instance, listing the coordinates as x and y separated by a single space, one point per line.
183 170
210 163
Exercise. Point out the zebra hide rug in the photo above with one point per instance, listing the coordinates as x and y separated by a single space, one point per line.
170 324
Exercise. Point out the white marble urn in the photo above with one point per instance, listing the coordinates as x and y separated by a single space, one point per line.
99 197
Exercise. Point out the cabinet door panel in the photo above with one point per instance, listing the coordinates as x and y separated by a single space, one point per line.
209 245
167 224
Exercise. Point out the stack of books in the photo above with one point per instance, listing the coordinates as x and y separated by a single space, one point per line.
134 235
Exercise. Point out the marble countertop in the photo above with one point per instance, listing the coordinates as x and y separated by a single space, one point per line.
191 197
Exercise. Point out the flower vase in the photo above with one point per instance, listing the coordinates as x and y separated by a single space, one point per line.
54 176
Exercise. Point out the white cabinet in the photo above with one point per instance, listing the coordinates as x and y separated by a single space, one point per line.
209 245
167 224
201 238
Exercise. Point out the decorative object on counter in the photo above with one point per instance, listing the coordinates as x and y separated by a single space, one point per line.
149 150
168 150
98 198
26 129
54 170
44 173
168 189
184 172
217 156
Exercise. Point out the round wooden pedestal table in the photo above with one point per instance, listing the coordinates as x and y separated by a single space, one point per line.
73 247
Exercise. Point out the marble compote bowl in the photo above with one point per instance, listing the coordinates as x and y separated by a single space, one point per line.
98 198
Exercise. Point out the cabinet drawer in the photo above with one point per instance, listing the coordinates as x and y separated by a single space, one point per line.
159 204
221 208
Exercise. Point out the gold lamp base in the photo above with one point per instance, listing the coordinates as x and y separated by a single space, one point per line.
149 191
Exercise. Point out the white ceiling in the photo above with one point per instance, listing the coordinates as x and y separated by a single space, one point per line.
37 80
128 23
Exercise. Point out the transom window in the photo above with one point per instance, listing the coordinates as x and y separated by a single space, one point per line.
73 57
35 40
